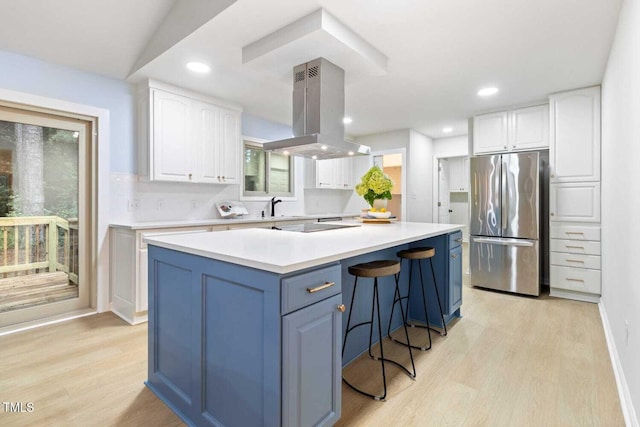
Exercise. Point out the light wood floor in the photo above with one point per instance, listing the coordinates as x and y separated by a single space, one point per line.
511 361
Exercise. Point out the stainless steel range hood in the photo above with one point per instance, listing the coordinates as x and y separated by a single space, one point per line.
318 111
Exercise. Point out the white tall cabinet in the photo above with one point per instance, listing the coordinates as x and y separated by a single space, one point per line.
187 137
574 205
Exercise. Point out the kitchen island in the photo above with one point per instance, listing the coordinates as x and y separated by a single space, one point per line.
245 326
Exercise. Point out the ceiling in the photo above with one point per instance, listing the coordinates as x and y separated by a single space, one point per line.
440 52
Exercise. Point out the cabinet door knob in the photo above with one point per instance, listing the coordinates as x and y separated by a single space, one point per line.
454 256
551 214
223 177
189 176
341 308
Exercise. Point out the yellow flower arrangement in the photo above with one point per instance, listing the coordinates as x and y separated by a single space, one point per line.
374 185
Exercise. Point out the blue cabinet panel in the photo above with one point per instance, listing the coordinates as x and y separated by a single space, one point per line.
454 297
232 344
312 368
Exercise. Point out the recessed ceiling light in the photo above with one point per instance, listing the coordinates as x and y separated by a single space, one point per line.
347 120
447 130
488 91
351 153
198 67
314 157
285 152
324 147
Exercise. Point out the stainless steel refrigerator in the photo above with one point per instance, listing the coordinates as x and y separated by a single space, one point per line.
504 228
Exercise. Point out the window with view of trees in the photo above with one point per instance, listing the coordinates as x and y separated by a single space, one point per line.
266 173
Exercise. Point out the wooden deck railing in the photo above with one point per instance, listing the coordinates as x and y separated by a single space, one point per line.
40 243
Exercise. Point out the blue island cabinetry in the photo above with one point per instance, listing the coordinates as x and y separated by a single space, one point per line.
231 345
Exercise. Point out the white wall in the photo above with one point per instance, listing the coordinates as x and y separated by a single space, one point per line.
420 169
620 195
30 75
453 146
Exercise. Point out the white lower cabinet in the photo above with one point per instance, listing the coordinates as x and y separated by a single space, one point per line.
128 269
575 261
128 275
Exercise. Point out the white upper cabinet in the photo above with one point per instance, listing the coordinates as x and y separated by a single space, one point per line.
490 133
459 174
515 130
529 128
172 143
186 139
229 146
331 173
574 153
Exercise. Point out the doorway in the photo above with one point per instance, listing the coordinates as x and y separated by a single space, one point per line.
451 192
45 172
392 164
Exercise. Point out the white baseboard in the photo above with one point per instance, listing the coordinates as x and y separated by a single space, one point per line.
630 418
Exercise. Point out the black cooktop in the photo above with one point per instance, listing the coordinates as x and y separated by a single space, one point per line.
312 227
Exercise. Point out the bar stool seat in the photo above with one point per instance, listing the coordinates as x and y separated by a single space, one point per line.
375 270
418 254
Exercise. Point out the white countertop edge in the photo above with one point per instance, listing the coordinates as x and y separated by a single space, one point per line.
289 268
145 225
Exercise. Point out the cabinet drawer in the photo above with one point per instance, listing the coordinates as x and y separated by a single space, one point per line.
304 289
455 239
575 232
574 246
575 260
575 279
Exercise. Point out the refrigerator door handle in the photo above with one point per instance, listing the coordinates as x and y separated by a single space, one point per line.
504 196
503 242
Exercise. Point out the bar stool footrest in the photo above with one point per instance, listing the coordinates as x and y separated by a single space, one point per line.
373 396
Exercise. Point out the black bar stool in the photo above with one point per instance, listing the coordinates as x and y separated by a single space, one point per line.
418 254
374 270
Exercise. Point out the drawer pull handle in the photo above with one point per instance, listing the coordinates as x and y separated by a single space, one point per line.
454 256
458 240
341 308
575 232
575 247
574 280
321 287
575 260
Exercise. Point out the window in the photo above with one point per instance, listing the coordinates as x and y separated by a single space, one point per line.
266 173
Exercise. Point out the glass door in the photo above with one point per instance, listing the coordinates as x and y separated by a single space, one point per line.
44 212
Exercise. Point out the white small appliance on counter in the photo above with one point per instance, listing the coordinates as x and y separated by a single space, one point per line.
231 209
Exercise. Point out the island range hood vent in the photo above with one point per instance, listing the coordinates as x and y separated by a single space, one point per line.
318 111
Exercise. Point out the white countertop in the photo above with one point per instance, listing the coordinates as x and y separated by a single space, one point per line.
285 251
144 225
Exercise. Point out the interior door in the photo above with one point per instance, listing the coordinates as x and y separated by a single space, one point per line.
444 207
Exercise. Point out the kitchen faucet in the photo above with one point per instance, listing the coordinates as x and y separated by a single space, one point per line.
273 205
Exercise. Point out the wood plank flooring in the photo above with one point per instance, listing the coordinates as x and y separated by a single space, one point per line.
510 361
35 289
